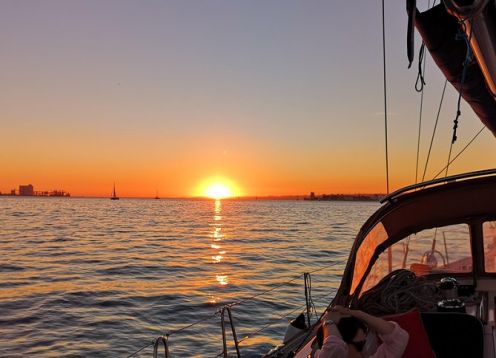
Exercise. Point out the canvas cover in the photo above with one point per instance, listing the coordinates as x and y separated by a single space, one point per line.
439 31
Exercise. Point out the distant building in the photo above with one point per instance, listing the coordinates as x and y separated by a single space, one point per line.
26 190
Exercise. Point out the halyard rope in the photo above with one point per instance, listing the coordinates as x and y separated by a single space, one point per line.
385 96
421 57
466 62
434 130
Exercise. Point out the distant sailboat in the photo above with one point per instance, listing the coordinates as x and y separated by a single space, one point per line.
156 195
114 196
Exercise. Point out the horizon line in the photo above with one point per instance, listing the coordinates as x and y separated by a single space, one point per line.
244 197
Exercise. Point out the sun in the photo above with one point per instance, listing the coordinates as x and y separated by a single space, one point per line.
217 188
218 191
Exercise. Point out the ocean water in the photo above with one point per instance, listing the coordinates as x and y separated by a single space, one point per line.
102 278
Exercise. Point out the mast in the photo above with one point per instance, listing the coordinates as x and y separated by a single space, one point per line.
114 195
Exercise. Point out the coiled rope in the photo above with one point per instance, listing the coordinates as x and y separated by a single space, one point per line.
400 291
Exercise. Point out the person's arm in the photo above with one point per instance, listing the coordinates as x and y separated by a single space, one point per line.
333 346
377 324
395 338
393 344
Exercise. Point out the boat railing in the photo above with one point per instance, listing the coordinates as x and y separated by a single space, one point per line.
439 181
220 312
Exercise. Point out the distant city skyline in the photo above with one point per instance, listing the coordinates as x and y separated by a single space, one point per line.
277 98
29 190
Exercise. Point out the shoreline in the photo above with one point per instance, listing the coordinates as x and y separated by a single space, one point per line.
325 197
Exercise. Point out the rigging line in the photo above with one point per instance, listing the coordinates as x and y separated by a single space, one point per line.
308 297
385 95
234 304
307 301
242 301
192 324
139 350
449 154
178 330
271 322
237 303
319 319
420 82
420 76
310 294
325 296
327 266
468 57
461 151
434 130
421 57
250 335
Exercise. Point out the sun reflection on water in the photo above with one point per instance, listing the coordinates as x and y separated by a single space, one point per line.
217 237
218 210
222 279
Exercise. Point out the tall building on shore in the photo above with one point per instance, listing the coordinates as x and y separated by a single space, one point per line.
26 190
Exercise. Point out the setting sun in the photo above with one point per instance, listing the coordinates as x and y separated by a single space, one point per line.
218 191
217 188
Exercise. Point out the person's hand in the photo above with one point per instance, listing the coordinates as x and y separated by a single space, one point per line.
336 313
343 311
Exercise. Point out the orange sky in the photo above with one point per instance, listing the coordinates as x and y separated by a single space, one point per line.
275 97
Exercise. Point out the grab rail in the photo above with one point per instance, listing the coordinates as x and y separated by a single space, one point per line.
479 173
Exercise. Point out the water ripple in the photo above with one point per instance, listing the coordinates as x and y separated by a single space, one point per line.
95 278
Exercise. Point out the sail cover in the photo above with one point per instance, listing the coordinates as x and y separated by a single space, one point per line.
439 31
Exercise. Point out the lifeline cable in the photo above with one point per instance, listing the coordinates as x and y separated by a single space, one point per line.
193 324
236 303
232 304
252 334
139 350
271 322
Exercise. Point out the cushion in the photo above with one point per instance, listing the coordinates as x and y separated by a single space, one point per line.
448 340
418 343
